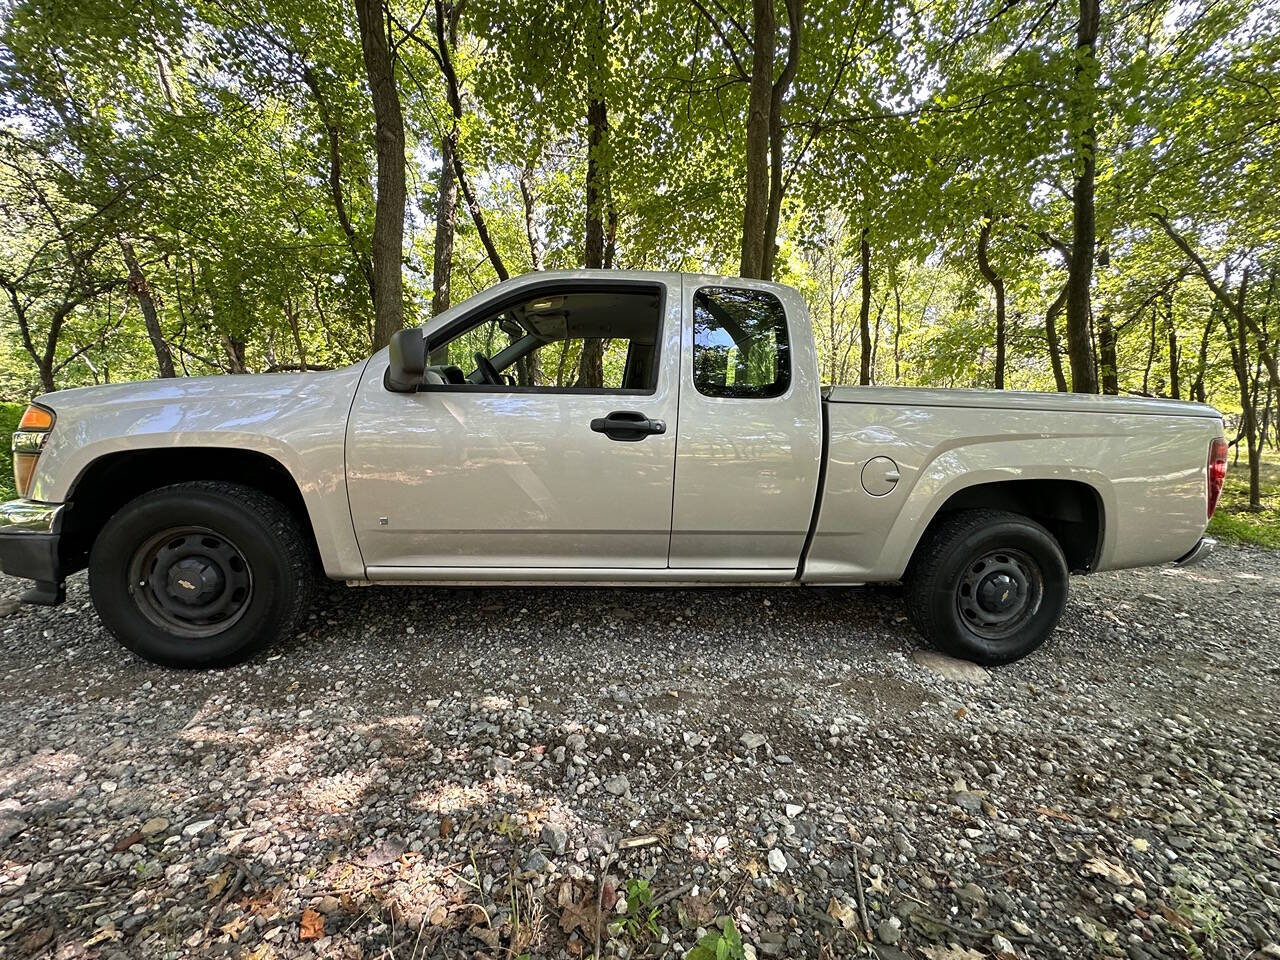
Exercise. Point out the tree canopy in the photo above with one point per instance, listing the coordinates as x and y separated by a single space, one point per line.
1057 194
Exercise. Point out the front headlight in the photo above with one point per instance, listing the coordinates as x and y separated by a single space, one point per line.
33 430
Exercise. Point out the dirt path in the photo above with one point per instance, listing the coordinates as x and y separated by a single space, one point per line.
448 783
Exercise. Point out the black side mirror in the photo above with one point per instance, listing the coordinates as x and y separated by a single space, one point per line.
408 349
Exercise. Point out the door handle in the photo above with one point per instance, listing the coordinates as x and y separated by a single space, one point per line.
627 425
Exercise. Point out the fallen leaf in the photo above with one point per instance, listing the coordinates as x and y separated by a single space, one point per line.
1141 845
108 932
127 842
217 883
1112 872
312 925
609 895
843 914
577 910
236 926
1055 814
446 827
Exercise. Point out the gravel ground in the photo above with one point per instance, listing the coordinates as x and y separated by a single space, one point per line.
444 773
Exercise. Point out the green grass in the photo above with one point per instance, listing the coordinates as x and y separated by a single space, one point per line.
1234 521
10 414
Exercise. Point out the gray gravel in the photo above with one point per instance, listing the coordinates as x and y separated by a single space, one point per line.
443 774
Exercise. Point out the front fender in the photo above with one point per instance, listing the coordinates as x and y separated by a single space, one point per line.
299 421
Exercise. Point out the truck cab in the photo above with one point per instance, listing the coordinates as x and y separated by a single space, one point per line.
693 454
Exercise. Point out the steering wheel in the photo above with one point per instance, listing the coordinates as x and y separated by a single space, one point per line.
488 372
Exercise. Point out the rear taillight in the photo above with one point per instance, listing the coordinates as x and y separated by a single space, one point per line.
1216 471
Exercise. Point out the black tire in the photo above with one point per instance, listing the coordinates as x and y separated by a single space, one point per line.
200 574
987 585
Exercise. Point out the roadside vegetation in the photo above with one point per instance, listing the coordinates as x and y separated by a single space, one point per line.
10 414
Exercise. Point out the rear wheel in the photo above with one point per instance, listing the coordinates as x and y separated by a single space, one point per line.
200 574
987 585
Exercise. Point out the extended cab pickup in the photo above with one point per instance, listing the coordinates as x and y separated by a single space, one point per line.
595 428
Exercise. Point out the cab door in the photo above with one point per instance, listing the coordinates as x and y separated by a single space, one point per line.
514 477
750 435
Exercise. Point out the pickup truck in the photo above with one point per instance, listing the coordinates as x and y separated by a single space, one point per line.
694 446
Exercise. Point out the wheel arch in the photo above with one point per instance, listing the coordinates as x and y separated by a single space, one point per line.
110 481
1072 511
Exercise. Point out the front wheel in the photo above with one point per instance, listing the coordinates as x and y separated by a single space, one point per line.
987 585
200 574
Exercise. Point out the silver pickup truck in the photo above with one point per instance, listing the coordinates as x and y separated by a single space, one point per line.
694 445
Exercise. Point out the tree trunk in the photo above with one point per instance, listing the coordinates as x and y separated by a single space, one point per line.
1202 359
755 214
1238 334
234 348
442 248
777 97
446 37
388 218
1051 336
591 361
597 125
1175 379
997 286
864 312
530 224
531 366
1107 349
141 291
291 316
1084 378
358 252
897 333
1151 354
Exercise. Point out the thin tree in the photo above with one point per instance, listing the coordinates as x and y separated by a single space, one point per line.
388 219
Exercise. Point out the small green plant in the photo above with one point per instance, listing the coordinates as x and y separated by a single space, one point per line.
719 945
641 917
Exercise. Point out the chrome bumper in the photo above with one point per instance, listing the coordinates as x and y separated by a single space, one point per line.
1197 553
31 548
30 516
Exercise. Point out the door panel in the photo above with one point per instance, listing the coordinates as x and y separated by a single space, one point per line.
746 467
489 478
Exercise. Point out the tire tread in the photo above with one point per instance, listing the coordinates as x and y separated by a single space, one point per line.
283 527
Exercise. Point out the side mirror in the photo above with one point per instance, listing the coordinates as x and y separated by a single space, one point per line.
408 356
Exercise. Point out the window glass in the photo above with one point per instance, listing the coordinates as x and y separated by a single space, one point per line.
577 340
740 346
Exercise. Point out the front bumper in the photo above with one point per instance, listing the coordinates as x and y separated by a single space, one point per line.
30 538
1202 549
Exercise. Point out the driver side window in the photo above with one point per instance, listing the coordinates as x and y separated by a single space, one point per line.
605 339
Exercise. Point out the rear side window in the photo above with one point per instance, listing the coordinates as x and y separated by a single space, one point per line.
740 346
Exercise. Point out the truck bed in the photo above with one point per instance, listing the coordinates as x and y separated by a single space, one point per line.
1018 400
896 457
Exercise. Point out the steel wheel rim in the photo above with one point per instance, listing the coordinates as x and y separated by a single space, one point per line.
190 581
999 593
